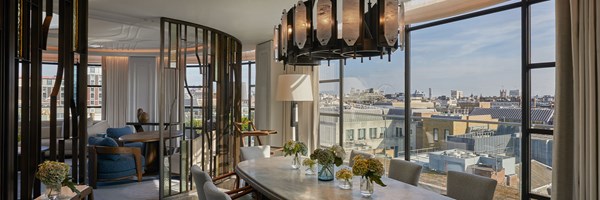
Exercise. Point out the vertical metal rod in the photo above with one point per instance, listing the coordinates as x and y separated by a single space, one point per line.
36 87
161 104
341 103
82 80
407 99
27 169
525 87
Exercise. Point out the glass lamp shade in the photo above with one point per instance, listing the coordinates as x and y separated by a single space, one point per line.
401 25
390 21
300 25
351 21
284 33
324 21
275 43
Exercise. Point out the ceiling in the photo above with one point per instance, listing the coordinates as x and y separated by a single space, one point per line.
133 26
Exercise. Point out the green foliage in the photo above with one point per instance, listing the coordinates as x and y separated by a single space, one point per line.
196 124
295 148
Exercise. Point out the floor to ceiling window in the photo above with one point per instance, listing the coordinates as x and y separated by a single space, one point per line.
474 81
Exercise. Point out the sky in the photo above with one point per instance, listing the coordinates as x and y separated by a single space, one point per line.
481 55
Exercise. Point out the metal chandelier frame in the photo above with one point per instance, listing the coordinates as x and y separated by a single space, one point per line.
371 30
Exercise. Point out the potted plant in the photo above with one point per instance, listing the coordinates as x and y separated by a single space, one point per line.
326 158
370 170
55 175
295 149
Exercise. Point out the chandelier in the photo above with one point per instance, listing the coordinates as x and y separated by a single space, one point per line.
309 32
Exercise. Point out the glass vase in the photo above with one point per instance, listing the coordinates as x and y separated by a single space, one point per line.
366 187
310 170
345 184
325 172
53 191
296 162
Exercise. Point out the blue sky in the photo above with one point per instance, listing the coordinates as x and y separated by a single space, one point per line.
478 56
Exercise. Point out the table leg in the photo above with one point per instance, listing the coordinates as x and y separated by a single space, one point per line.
151 155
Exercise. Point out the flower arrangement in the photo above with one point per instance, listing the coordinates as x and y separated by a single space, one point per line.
294 148
369 168
310 163
53 174
331 155
344 174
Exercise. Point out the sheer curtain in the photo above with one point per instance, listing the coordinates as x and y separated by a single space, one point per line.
576 152
114 88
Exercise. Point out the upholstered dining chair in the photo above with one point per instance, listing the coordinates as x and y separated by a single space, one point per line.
255 152
213 193
201 178
354 153
405 171
464 186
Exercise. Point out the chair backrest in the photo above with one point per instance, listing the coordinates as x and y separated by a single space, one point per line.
200 178
463 186
115 133
213 193
354 153
255 152
405 171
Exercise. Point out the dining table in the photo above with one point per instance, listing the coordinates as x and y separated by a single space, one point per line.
275 179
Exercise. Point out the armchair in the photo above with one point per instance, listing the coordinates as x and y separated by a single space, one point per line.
107 161
115 133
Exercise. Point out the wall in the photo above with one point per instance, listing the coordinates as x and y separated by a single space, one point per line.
269 113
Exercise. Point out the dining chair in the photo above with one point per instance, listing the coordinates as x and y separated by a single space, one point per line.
354 153
213 193
405 171
201 178
464 186
255 152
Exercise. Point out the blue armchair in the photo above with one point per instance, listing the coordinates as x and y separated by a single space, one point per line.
108 161
115 133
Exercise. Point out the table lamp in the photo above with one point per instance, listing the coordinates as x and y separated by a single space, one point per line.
294 88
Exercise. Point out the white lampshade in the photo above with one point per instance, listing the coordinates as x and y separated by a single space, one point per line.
294 87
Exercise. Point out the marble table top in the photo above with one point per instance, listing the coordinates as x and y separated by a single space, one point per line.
275 178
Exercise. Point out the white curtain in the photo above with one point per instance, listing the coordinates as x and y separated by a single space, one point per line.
576 152
114 87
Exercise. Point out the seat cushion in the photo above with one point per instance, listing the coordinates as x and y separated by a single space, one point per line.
115 175
124 163
115 133
106 142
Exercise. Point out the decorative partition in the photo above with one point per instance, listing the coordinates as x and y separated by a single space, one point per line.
23 39
211 143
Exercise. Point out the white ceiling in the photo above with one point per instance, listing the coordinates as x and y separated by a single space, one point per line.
133 26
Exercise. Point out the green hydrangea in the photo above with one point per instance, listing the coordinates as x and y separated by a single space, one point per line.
294 148
52 172
328 156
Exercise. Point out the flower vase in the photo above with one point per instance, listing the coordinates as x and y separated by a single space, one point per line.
310 170
325 172
296 162
366 187
53 191
345 184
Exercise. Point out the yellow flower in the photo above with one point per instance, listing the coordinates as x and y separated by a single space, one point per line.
343 174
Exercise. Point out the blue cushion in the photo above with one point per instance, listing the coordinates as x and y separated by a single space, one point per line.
106 142
115 133
116 175
124 163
